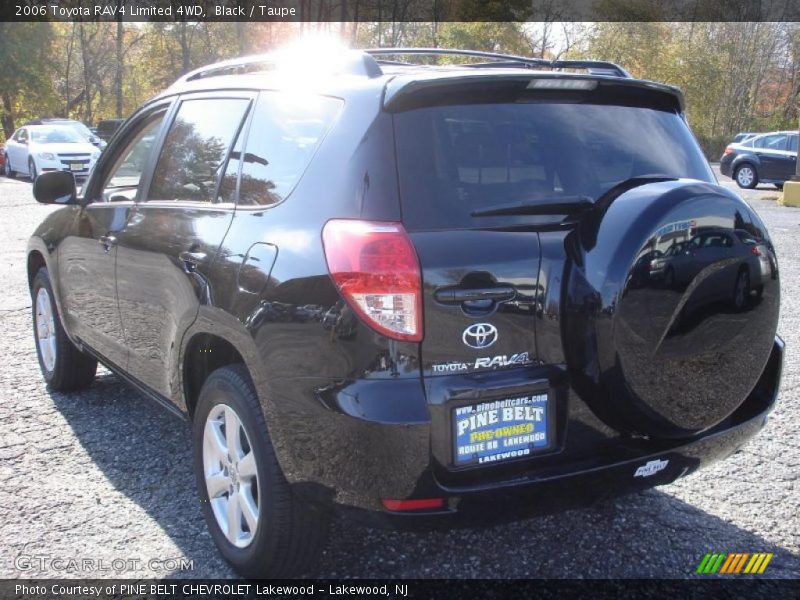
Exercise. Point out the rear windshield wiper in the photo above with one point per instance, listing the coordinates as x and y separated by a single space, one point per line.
562 205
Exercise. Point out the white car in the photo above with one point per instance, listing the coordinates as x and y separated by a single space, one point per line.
36 149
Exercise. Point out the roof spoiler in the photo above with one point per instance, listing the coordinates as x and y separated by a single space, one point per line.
427 89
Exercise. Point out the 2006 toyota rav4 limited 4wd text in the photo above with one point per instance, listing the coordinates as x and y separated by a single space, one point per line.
424 295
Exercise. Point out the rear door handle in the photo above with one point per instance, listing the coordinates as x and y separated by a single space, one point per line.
191 259
500 293
107 241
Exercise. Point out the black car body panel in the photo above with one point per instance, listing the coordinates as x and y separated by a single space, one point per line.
626 370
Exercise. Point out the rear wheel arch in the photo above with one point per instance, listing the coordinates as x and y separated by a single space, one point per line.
204 354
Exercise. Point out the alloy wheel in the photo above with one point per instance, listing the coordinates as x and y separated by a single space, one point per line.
745 176
231 475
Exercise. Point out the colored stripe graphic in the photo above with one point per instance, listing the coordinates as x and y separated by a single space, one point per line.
701 567
754 562
764 564
733 563
715 563
729 562
740 563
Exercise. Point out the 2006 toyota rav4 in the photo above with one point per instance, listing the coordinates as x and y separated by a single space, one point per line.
424 294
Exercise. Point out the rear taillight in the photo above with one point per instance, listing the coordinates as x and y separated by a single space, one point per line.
728 150
377 272
755 250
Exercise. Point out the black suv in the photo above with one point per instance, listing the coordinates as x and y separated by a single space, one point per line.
416 293
106 129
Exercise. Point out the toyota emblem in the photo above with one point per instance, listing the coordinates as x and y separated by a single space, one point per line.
480 335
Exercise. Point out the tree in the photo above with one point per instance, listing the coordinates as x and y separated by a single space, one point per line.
26 87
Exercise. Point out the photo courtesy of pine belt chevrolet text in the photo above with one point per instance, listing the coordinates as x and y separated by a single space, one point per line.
420 295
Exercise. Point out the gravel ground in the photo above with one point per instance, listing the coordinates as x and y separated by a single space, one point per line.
105 475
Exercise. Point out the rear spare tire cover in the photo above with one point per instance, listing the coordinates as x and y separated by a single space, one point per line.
669 356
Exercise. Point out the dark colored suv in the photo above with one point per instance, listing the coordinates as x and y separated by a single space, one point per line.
107 128
414 293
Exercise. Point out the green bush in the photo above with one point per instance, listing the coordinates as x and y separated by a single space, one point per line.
713 145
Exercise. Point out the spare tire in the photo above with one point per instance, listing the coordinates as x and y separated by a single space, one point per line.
669 360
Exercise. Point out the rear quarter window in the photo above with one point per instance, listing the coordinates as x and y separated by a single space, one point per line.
454 160
284 135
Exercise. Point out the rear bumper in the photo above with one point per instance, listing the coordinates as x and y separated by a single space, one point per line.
393 461
535 497
725 165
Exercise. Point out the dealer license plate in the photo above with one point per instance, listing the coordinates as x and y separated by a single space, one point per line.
76 167
499 430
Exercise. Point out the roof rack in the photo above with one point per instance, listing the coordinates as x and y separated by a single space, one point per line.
595 67
367 62
230 67
355 63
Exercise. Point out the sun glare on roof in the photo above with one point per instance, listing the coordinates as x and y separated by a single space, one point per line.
316 52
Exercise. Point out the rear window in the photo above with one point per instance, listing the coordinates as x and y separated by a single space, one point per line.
746 237
454 160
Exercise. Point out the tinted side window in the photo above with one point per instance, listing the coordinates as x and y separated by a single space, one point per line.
772 142
792 143
227 187
195 148
746 237
122 182
283 137
717 241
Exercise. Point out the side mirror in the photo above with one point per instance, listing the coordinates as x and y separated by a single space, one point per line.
56 187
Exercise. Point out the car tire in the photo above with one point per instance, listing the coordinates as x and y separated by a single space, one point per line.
741 290
32 169
746 176
63 366
7 169
778 186
290 533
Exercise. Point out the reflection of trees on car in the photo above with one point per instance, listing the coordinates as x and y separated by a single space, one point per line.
258 191
193 158
253 189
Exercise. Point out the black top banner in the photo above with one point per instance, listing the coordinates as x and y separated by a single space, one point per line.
400 10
